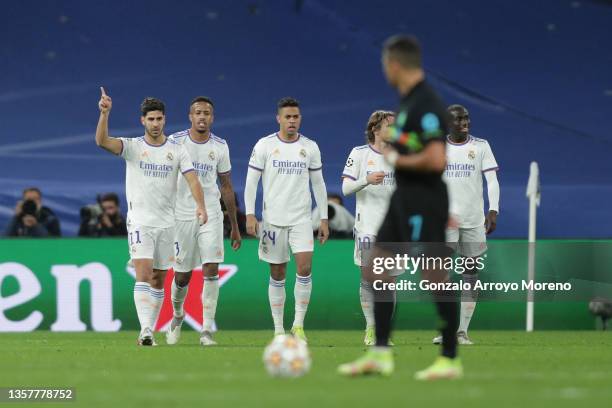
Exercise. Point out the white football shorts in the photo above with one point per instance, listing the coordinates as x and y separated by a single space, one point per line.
151 243
275 241
197 244
363 242
468 242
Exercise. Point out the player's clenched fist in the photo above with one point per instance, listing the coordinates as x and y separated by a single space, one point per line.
106 103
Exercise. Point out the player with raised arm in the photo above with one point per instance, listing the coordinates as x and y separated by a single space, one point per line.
288 162
153 163
201 244
468 159
368 176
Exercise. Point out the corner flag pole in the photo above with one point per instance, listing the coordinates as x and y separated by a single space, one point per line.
533 194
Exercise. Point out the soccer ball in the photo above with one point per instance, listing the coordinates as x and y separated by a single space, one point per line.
287 356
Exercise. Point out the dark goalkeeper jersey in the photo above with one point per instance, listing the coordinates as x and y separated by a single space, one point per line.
421 119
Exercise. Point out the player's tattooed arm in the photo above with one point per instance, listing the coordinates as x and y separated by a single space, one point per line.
103 140
229 199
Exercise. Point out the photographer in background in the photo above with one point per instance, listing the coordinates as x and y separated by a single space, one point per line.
103 219
32 219
341 221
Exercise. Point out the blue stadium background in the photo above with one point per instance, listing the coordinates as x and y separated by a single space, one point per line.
536 76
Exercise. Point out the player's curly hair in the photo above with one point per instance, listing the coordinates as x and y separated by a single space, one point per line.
152 104
375 122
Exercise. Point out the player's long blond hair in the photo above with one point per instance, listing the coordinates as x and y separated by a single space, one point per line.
374 123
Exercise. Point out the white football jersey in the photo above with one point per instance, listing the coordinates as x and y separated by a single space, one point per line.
372 200
465 164
285 168
208 159
150 180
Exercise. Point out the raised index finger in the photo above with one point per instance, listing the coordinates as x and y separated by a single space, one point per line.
103 91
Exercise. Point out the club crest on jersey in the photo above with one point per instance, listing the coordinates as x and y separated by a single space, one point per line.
211 156
371 162
472 155
303 153
349 162
169 157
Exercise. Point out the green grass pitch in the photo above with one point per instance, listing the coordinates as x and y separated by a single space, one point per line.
505 369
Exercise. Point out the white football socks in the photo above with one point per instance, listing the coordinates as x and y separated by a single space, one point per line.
178 295
366 296
210 295
276 294
301 292
157 300
468 303
142 300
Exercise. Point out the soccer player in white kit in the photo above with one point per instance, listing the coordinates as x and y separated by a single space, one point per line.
153 163
288 162
201 244
468 159
368 176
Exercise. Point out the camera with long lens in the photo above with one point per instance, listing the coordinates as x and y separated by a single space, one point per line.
90 213
28 207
